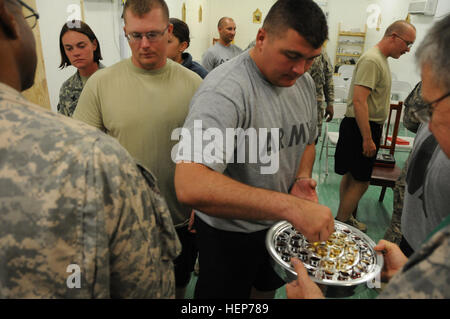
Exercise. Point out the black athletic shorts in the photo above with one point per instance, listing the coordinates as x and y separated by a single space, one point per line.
185 262
232 262
349 150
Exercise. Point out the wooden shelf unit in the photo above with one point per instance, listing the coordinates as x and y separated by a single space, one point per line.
345 41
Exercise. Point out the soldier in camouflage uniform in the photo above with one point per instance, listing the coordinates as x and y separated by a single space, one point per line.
426 273
78 218
79 47
412 103
70 92
322 73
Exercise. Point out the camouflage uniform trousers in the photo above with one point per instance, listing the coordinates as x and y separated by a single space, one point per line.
320 115
394 233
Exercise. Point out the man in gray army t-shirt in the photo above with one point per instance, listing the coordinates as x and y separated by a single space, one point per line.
223 50
265 99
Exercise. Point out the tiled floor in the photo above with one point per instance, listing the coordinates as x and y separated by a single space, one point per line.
374 214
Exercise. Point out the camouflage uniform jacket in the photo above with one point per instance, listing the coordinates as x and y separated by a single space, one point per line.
70 93
71 195
413 102
427 272
322 74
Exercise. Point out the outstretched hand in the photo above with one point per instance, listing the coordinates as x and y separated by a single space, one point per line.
394 259
305 188
303 287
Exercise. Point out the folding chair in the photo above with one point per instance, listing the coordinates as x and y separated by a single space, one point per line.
346 70
330 138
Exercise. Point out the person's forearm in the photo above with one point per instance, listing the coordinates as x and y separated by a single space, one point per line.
307 161
220 196
362 119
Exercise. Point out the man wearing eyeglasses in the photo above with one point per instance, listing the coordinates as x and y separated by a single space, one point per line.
425 275
141 100
367 109
78 217
427 190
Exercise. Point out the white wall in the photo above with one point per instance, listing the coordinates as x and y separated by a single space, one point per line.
353 14
199 30
242 13
423 24
103 17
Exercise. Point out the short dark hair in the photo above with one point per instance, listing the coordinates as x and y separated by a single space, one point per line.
81 27
180 30
303 16
141 7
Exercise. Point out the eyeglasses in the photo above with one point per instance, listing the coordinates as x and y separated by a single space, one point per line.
152 36
408 44
424 114
33 17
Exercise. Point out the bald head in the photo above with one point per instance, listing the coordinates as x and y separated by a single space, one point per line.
400 27
223 21
227 30
398 39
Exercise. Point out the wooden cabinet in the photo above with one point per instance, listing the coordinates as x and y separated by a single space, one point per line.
349 47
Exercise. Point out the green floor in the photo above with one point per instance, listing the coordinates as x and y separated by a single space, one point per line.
374 214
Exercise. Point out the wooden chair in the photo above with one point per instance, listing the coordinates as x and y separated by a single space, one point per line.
387 176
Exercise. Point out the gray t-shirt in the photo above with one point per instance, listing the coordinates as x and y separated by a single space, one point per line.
427 191
278 121
218 54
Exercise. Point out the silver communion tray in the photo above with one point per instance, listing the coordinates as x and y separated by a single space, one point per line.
347 258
